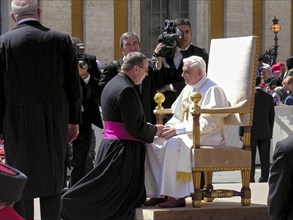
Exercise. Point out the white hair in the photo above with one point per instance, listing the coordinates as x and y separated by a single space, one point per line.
21 8
194 62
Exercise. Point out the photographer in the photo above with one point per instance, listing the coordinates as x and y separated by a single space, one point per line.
89 59
82 161
168 64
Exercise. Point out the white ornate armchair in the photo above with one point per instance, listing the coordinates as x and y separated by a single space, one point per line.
232 65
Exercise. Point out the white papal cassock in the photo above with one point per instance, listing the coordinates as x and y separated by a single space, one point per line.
168 160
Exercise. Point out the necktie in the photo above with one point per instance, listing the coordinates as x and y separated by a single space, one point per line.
184 53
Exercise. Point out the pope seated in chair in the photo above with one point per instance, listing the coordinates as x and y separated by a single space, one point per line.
169 161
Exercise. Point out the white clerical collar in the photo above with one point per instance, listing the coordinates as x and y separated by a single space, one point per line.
27 19
200 84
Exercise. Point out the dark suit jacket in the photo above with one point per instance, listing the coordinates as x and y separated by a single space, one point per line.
166 76
109 72
91 112
263 116
39 95
90 115
146 89
90 94
280 198
93 69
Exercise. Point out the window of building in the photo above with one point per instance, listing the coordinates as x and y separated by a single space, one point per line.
153 15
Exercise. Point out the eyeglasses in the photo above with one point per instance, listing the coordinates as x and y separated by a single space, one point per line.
145 69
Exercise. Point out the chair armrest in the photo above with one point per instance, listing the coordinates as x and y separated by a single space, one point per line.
241 108
167 111
160 113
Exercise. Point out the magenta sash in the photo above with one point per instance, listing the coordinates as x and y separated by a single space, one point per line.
116 130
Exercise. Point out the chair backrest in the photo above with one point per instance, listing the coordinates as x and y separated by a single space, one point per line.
232 65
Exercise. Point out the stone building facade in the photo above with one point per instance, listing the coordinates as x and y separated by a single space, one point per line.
101 22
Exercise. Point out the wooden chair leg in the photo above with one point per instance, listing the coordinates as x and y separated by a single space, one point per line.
208 177
245 191
196 198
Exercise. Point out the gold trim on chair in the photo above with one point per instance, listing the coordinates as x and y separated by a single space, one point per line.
220 168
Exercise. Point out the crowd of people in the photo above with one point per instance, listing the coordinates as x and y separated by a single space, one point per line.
277 80
51 95
274 87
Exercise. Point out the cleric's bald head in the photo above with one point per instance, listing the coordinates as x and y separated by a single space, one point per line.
24 8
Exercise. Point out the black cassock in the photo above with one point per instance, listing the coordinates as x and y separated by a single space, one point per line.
115 187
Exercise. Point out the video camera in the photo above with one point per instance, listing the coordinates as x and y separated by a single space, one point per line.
79 50
169 37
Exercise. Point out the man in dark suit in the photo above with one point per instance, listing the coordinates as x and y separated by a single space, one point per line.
129 42
261 131
168 70
280 195
40 105
82 161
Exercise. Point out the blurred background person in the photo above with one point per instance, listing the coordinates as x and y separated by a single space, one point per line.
83 147
277 74
288 85
265 73
289 66
270 87
259 64
282 67
283 94
261 131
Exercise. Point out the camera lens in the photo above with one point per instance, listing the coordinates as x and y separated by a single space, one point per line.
82 64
